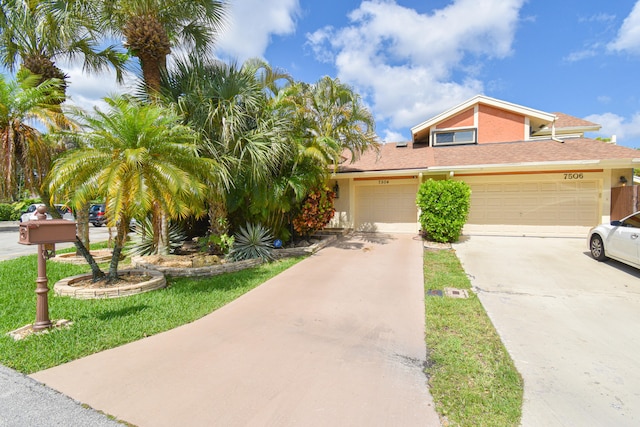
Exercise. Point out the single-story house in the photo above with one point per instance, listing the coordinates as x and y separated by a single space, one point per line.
530 172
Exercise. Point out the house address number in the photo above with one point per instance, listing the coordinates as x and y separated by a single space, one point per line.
573 176
383 181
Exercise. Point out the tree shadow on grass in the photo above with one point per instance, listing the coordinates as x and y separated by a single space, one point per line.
123 312
220 283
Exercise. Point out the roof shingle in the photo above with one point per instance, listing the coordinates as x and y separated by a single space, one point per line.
423 157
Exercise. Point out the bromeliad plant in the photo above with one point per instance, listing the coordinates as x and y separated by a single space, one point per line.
252 241
147 245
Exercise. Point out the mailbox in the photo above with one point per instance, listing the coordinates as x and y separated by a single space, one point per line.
49 231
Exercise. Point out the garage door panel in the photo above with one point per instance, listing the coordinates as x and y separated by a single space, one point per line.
534 203
387 208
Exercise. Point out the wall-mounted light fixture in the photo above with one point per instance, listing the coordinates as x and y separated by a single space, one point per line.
336 190
623 180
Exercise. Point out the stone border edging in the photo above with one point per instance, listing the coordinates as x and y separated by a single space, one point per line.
213 270
64 288
99 256
229 267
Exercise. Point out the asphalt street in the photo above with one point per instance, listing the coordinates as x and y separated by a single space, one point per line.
26 402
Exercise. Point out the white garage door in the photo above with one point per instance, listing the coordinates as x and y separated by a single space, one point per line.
387 206
544 203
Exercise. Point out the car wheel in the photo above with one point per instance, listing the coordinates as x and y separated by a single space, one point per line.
97 224
597 248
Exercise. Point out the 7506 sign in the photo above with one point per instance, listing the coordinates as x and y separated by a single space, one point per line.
573 176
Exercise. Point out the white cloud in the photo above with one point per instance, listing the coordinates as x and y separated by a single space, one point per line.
409 64
628 38
87 90
599 18
252 24
624 129
390 136
582 54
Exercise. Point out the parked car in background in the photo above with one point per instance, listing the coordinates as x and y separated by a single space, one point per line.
619 240
31 214
96 215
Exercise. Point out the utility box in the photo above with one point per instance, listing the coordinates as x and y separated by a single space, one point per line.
49 231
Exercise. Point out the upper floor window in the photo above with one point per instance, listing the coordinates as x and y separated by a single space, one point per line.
454 137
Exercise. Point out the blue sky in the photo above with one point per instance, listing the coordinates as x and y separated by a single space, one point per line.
411 59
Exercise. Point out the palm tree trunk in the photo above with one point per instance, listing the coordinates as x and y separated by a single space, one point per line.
218 224
152 73
163 243
160 229
112 276
97 274
82 223
122 228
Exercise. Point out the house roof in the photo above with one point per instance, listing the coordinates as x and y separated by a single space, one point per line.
481 99
542 123
541 151
566 121
420 156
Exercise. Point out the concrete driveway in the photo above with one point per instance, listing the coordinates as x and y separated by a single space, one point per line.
570 323
336 340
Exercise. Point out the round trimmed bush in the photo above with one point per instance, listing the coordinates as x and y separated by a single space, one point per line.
444 207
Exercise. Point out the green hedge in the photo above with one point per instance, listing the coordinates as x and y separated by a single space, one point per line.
444 206
8 212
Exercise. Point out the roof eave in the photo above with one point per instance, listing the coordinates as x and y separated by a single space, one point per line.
609 163
387 172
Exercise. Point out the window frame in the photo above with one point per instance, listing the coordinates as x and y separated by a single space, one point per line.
437 132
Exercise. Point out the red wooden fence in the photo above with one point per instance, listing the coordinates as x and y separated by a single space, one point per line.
624 201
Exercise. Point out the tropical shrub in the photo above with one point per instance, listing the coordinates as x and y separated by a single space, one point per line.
6 212
317 211
22 205
146 245
216 244
252 241
444 207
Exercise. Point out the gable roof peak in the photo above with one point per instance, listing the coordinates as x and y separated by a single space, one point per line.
486 100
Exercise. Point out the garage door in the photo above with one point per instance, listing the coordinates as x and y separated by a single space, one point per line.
387 206
534 202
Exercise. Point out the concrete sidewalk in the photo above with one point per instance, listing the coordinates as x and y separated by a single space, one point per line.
338 339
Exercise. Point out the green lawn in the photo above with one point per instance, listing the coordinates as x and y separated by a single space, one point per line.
472 378
106 323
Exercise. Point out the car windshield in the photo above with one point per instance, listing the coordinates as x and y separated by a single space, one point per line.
95 208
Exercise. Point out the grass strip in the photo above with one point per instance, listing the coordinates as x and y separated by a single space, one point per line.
472 378
106 323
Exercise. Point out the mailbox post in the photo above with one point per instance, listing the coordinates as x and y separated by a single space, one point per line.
43 232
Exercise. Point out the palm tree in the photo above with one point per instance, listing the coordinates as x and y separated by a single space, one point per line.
150 27
26 106
140 158
34 33
331 119
229 104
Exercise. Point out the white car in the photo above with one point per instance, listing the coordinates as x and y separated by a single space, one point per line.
31 214
619 240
